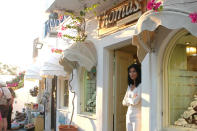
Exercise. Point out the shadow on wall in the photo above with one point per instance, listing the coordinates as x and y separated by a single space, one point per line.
93 125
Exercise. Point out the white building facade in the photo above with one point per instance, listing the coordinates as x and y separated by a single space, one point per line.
167 62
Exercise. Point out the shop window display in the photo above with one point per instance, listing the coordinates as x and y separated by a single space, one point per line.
182 85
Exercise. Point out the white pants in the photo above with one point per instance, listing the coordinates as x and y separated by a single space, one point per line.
133 122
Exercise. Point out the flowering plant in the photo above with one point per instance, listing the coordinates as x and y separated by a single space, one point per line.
59 51
17 82
78 24
12 84
193 17
59 34
153 5
34 91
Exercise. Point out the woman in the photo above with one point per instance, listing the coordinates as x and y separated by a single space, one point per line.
5 96
9 118
132 98
0 121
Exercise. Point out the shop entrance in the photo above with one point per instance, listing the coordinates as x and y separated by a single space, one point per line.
123 57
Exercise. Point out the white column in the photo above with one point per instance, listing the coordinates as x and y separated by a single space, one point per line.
48 114
104 100
155 118
39 90
146 92
151 94
59 86
99 91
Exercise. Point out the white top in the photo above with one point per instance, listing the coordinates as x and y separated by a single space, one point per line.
6 92
132 97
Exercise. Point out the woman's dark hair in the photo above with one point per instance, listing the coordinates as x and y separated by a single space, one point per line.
138 70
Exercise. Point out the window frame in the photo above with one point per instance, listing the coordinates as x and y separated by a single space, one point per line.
82 94
61 94
165 106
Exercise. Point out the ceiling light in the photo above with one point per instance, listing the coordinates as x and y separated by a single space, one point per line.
191 51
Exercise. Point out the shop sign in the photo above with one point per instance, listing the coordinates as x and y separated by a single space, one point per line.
119 17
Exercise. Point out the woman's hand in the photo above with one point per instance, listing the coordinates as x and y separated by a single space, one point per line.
132 87
135 95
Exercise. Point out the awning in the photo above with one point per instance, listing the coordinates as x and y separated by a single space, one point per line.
175 15
51 66
76 6
33 72
83 53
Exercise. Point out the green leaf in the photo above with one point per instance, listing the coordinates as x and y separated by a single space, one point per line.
95 13
95 5
82 13
69 13
160 8
79 19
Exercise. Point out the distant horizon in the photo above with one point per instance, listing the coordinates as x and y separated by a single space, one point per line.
13 68
4 78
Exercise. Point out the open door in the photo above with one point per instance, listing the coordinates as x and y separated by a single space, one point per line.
122 61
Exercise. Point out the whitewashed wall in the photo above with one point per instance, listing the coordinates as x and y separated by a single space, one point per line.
152 75
103 46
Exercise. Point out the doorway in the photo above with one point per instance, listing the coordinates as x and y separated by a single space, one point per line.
123 57
54 103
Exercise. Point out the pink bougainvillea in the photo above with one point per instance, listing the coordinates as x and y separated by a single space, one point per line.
53 49
12 85
193 17
56 50
61 17
63 28
59 34
153 5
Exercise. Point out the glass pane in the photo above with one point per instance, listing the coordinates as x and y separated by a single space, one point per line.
90 91
182 86
66 93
